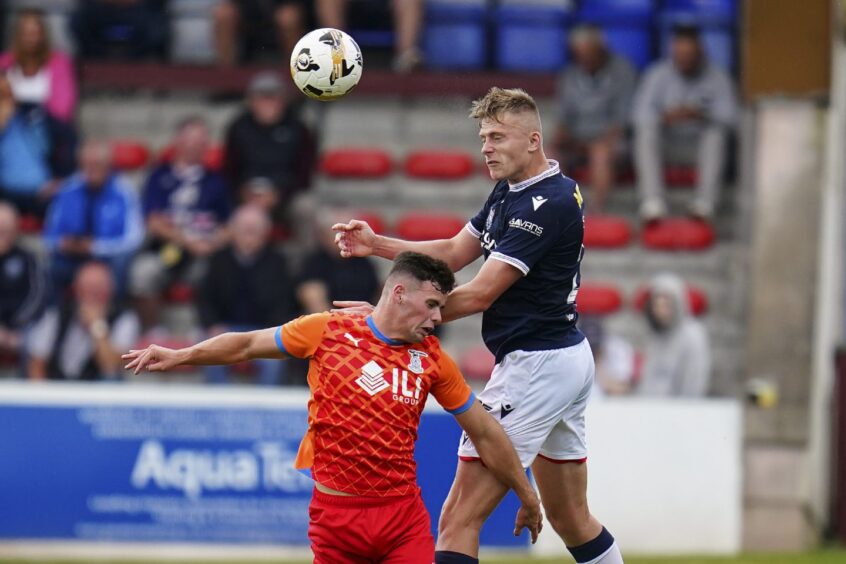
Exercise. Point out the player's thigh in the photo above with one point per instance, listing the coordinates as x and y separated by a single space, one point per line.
562 487
474 495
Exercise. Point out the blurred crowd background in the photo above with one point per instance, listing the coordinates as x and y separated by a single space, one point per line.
112 241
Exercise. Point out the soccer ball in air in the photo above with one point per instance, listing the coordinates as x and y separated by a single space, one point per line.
326 64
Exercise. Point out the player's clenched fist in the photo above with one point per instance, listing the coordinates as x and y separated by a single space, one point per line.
153 359
355 238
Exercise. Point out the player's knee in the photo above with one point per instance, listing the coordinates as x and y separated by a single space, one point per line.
571 524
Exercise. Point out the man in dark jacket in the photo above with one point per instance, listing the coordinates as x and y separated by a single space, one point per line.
269 141
247 287
22 284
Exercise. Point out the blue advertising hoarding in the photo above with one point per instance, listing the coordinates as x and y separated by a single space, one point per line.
179 464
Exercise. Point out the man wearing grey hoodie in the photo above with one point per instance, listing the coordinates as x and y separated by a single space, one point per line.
677 361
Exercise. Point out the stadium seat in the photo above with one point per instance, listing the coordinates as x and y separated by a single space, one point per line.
626 24
596 298
531 36
697 299
180 293
356 163
454 34
213 159
680 176
477 363
423 226
129 154
678 234
373 219
439 165
30 225
606 232
717 20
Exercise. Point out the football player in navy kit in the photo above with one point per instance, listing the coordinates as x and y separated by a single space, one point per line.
530 232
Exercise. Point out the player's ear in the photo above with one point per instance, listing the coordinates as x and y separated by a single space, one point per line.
398 293
534 141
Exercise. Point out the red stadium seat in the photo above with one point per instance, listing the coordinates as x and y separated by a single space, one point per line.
30 225
606 232
439 165
129 154
425 226
213 159
180 293
477 363
697 299
598 299
678 234
356 163
680 176
373 219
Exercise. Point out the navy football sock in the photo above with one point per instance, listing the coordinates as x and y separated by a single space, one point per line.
602 549
450 557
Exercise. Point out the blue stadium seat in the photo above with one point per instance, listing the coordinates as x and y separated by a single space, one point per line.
532 37
627 25
717 20
455 36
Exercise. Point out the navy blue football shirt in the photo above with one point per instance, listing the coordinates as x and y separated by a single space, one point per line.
536 226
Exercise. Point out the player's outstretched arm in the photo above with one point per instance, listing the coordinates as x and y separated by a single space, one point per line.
501 459
226 348
476 296
356 239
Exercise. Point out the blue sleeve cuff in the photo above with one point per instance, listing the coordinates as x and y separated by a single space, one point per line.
461 409
279 344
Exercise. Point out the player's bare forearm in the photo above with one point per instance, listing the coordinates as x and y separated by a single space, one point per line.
443 249
232 348
493 279
497 452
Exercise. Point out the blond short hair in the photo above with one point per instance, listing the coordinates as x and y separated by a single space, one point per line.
502 100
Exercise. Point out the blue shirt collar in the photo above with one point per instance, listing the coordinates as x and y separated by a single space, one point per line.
381 336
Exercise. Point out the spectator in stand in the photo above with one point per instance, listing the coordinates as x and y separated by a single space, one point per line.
326 276
22 284
258 28
122 29
684 111
268 141
247 287
38 74
595 96
84 336
614 357
186 207
407 15
95 216
36 152
677 360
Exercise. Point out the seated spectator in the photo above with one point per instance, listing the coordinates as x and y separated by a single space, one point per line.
326 276
95 216
677 359
595 96
683 113
186 207
407 15
247 287
38 74
122 29
613 356
258 29
84 336
22 284
36 153
269 141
